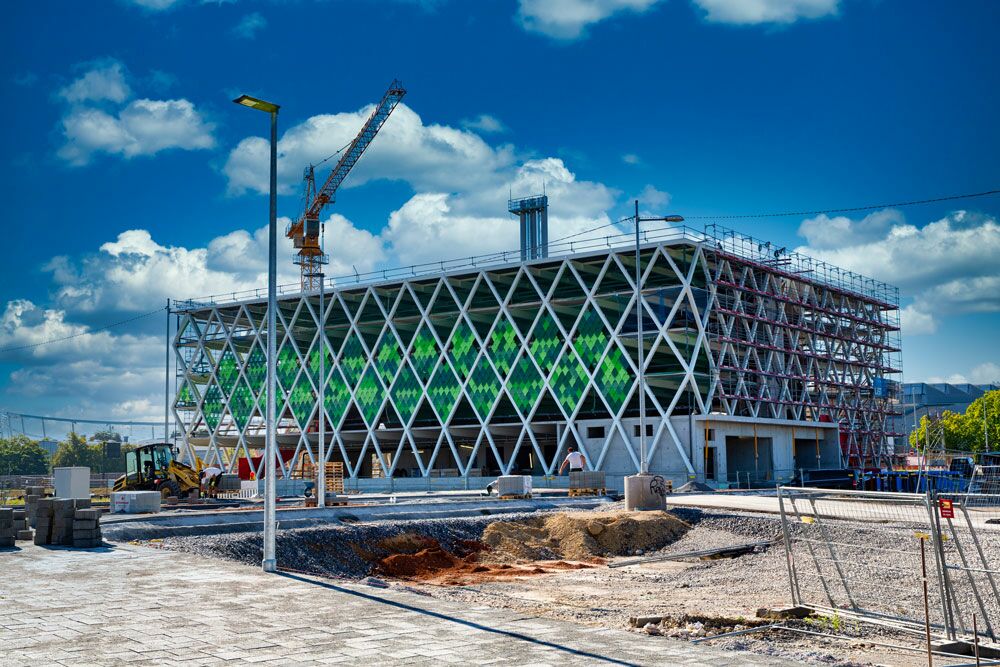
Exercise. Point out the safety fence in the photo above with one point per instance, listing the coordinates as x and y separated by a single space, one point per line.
868 555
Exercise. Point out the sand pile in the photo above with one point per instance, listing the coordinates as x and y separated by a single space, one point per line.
580 536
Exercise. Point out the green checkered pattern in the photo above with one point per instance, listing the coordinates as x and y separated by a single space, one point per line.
437 363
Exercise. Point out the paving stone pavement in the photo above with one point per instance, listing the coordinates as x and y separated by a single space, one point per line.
138 605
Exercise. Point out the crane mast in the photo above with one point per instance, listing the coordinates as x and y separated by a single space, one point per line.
305 232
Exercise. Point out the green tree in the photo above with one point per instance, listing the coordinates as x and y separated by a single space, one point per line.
21 455
107 435
74 451
965 431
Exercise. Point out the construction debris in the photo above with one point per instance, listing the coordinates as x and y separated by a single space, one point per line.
731 551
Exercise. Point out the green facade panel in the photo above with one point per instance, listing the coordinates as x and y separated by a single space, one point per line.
353 359
369 395
424 353
483 388
546 341
524 385
504 345
614 379
406 393
336 398
443 391
569 381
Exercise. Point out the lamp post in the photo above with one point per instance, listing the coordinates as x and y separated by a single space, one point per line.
643 463
321 470
270 563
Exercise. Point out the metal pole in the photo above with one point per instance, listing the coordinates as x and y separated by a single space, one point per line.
927 607
166 381
643 465
269 563
321 476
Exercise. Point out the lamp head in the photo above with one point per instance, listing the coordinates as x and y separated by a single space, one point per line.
255 103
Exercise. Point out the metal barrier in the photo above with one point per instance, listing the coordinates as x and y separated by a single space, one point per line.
864 555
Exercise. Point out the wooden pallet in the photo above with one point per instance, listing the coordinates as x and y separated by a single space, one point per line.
516 496
587 492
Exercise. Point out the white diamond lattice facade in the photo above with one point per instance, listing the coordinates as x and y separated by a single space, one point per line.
493 370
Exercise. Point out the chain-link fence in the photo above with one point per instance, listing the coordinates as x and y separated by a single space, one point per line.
868 555
857 553
969 526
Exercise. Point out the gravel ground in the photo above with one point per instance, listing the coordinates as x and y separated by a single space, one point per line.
880 562
332 551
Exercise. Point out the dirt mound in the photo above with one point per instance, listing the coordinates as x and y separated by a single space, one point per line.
436 565
581 536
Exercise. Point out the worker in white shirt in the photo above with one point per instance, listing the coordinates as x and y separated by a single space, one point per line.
574 459
210 477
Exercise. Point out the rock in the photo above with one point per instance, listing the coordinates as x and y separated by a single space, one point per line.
651 629
376 583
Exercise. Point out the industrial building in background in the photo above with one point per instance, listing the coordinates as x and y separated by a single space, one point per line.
759 363
920 399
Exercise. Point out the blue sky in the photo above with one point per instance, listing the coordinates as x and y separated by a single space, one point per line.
131 177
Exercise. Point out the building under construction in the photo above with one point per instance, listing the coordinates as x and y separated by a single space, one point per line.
759 363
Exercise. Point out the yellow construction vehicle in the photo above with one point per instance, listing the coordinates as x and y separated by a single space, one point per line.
155 468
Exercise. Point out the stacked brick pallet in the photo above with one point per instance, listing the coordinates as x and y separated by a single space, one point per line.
6 527
67 522
87 528
32 495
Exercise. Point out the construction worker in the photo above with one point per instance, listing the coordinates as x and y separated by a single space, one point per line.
574 459
210 477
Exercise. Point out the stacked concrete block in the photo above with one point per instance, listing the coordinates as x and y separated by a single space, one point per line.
586 479
21 530
6 527
87 528
43 520
62 521
32 495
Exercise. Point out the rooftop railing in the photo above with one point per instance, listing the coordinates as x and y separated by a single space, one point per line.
715 237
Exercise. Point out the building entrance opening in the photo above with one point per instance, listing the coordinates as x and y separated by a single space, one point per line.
710 453
749 460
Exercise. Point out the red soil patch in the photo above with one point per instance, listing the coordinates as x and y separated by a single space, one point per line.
435 565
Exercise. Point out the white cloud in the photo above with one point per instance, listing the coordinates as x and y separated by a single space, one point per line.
570 19
949 266
429 157
144 127
250 25
631 158
484 123
915 322
985 373
650 196
103 82
156 5
751 12
134 273
826 232
960 246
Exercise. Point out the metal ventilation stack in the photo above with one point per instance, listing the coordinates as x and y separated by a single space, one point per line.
534 216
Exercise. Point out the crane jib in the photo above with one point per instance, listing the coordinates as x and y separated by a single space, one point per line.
305 232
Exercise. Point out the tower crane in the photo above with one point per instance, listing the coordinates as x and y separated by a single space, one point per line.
305 232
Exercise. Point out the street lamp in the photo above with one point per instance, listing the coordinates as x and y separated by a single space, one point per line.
270 563
643 464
